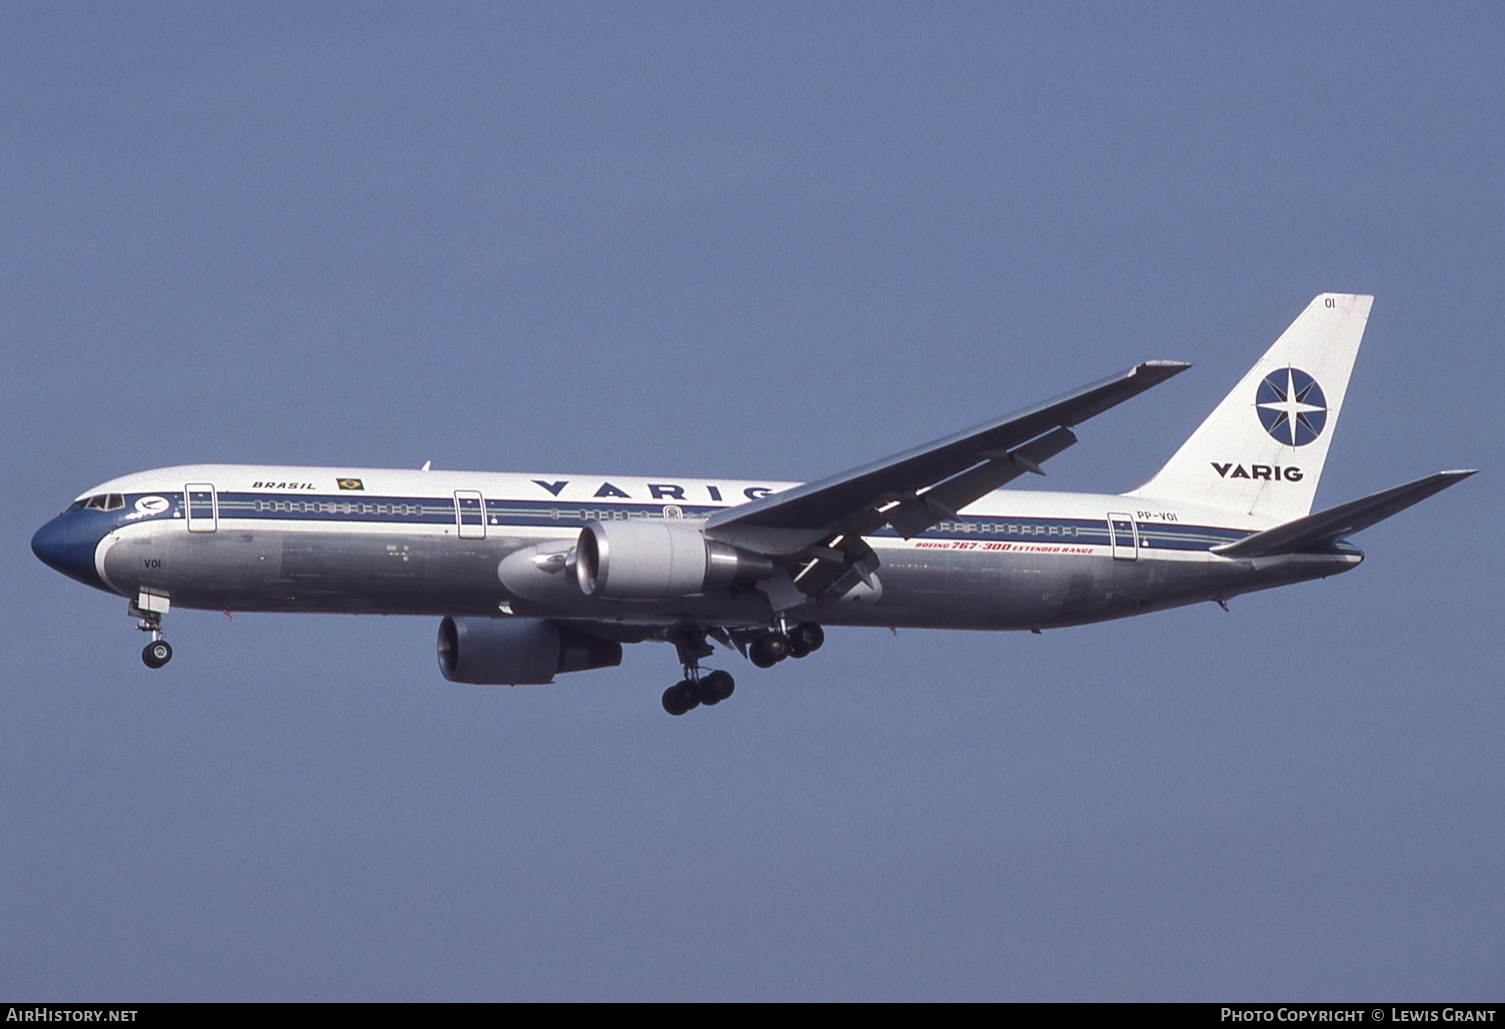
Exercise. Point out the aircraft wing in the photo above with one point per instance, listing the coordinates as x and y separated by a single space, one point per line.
1324 527
911 491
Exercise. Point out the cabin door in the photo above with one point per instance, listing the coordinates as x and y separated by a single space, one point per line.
470 514
1123 536
203 507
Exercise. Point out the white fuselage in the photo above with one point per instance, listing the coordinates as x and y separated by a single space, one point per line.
385 541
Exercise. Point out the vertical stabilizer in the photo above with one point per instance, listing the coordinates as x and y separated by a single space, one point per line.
1261 450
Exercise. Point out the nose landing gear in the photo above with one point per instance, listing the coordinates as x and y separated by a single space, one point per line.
156 653
149 608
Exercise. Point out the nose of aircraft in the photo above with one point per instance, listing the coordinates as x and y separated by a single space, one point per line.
62 545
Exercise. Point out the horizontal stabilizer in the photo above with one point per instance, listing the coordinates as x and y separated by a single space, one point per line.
1328 526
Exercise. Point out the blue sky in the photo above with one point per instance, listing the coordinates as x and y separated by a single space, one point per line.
774 242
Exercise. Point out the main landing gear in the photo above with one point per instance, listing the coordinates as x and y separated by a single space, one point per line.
695 689
148 611
769 648
765 649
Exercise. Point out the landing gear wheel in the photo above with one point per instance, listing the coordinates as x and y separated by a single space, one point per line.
805 638
769 649
156 654
680 697
715 688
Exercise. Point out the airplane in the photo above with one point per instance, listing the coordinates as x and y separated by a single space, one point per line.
537 575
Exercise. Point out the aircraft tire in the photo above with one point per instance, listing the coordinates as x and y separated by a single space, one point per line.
156 654
758 653
680 698
807 635
716 687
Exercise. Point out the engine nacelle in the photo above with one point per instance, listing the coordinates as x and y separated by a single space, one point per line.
653 560
518 651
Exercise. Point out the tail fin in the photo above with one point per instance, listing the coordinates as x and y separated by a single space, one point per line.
1261 450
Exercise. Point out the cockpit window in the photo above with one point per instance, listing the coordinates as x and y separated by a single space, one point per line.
101 502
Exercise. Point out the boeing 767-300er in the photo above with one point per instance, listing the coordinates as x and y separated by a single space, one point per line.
535 575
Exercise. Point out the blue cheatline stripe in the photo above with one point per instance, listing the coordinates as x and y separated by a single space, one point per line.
399 511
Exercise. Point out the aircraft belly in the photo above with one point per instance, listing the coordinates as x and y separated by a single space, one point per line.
380 573
443 574
183 564
998 591
270 570
1025 591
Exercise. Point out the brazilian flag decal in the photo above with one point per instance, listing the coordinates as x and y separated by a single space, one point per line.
351 484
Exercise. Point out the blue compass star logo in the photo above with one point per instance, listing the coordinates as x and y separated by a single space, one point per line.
1291 406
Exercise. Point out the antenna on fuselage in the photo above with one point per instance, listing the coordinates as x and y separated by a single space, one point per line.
425 466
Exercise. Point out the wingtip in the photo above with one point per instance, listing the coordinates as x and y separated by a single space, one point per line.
1160 369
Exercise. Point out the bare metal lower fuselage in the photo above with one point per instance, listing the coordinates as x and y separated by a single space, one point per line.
236 538
256 568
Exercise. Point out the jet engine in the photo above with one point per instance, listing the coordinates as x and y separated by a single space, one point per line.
518 651
653 560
